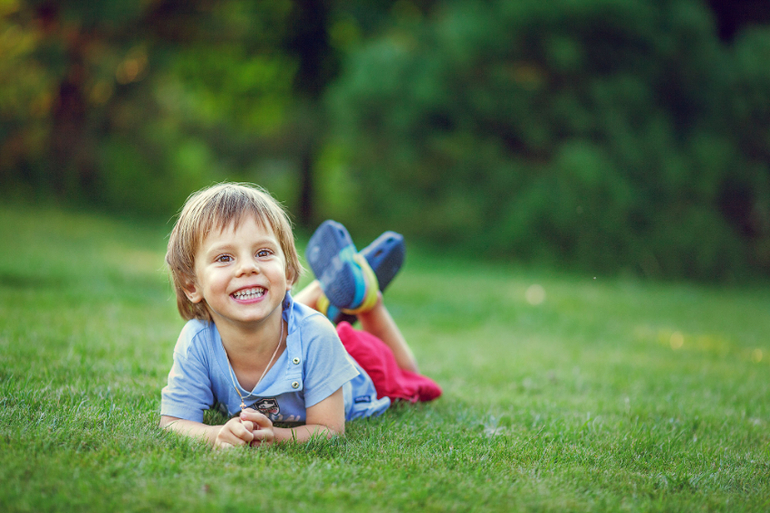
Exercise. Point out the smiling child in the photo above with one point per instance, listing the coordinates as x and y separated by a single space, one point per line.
258 355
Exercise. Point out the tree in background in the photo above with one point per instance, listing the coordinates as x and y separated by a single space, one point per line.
131 105
604 135
80 113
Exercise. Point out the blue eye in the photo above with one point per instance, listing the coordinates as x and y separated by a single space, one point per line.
224 258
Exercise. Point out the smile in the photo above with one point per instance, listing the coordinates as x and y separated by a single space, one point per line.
247 294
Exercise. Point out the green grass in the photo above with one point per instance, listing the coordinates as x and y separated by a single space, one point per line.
609 395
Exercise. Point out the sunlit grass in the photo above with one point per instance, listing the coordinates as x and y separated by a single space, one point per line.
561 392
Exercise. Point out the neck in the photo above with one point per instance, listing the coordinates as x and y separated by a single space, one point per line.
244 365
253 340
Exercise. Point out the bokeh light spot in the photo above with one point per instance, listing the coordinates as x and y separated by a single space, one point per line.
535 295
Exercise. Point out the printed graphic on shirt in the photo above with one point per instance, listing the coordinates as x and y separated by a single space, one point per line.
362 399
268 407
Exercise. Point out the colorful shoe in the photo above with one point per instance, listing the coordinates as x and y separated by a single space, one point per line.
332 257
385 256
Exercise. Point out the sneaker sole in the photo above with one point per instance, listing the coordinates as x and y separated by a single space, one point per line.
330 254
385 255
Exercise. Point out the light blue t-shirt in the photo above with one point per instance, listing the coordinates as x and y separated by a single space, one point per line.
314 365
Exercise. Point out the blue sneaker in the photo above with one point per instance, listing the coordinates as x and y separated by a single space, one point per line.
385 256
331 255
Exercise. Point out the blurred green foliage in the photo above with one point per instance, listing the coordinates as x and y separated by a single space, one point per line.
602 135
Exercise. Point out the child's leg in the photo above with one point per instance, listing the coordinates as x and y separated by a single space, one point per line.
309 295
338 267
385 255
376 321
379 323
329 257
349 280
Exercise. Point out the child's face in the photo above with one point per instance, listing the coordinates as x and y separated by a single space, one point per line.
241 274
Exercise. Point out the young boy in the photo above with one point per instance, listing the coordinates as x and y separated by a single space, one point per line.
257 353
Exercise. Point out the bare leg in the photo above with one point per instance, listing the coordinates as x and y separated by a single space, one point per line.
309 295
376 321
379 323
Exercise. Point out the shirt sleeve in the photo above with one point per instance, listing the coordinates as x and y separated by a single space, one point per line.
189 389
327 363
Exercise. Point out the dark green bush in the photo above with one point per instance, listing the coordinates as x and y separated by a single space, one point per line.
606 135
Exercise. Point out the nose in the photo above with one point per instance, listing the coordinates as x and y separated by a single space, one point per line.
247 266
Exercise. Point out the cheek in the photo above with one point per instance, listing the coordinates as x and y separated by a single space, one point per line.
212 281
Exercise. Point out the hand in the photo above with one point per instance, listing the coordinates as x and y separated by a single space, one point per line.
262 427
236 432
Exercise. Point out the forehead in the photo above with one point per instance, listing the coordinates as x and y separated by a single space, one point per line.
248 223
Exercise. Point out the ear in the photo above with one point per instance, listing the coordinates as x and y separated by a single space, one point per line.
192 292
290 278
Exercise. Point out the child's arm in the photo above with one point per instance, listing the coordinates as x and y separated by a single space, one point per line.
325 419
235 432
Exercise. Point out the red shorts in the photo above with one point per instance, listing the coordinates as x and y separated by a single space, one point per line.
376 358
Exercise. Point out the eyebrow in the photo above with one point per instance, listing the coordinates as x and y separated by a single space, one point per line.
262 241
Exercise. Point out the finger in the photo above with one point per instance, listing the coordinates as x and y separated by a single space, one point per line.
259 419
247 425
264 436
244 435
234 432
225 438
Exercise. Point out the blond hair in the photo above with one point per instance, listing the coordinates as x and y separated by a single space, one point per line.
214 208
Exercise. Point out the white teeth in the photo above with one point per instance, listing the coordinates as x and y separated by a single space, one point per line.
249 293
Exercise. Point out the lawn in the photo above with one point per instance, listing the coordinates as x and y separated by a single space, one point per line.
561 392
